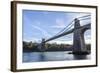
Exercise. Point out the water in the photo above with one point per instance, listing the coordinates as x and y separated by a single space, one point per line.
51 56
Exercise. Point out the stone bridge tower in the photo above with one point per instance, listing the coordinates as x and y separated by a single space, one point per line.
79 46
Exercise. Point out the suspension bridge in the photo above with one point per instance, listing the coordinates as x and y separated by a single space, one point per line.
79 46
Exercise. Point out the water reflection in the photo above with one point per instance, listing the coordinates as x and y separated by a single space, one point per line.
79 57
51 56
42 56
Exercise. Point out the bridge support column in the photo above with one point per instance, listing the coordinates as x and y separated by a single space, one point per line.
79 46
42 45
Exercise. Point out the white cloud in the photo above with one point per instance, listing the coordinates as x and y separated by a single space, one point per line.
37 22
33 39
61 42
88 36
45 33
59 23
31 24
82 22
87 41
24 34
77 15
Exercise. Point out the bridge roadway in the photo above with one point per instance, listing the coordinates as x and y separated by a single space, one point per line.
84 27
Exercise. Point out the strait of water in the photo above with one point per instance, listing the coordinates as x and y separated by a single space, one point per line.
51 56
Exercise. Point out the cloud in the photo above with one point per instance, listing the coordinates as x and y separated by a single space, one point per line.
72 16
87 41
37 22
61 42
88 36
59 23
32 24
76 15
32 39
45 33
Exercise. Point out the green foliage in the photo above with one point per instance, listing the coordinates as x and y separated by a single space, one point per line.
33 46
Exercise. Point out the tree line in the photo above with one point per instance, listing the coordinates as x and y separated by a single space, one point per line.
33 46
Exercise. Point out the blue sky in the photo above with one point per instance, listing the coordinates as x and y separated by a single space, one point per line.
45 24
